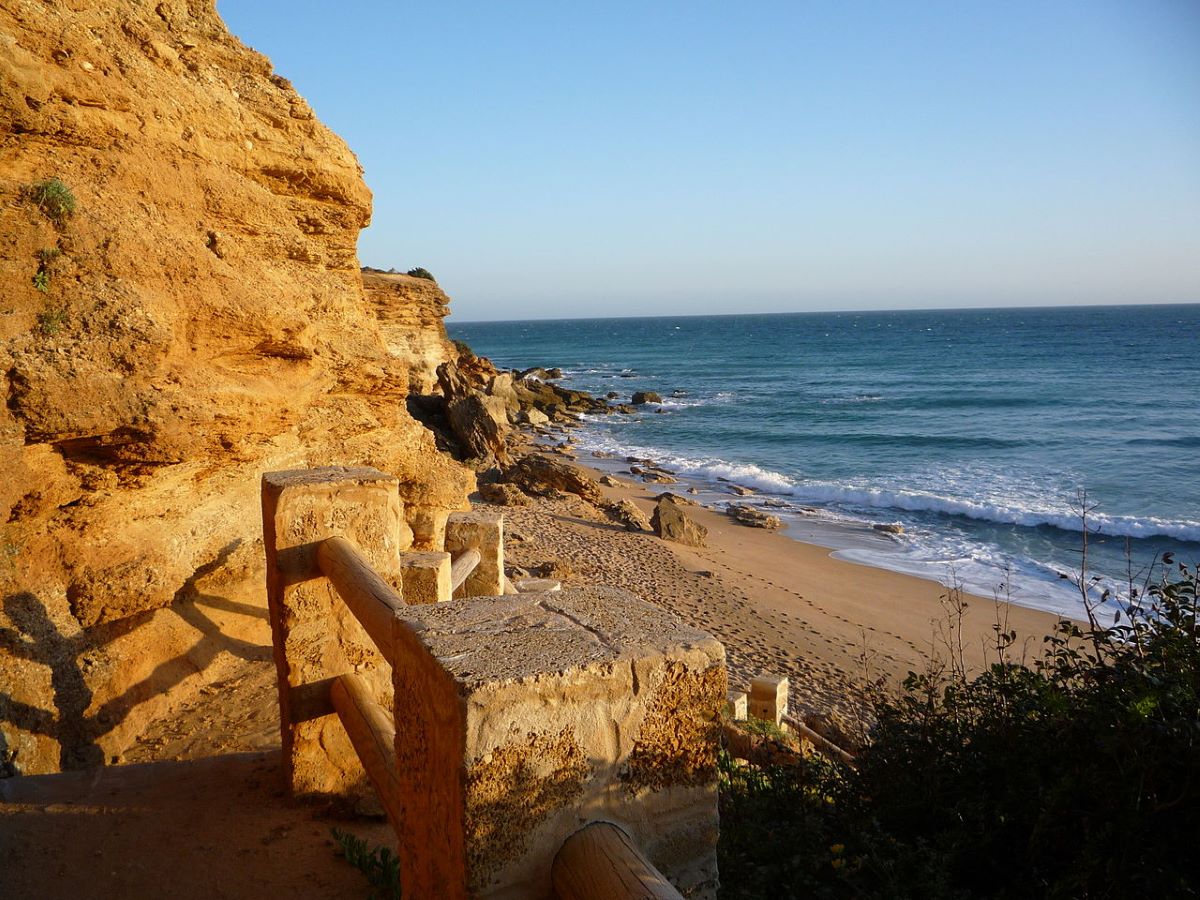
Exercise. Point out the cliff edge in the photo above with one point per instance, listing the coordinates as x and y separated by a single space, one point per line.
198 319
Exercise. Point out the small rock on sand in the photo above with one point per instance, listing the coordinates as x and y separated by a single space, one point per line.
754 518
671 523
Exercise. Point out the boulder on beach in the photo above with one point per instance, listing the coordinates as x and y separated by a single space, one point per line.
609 481
751 517
889 527
671 523
740 491
503 494
625 513
675 498
540 475
640 397
652 476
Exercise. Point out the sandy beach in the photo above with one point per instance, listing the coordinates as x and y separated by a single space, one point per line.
778 605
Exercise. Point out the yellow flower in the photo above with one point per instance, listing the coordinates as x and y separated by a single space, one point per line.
837 849
837 863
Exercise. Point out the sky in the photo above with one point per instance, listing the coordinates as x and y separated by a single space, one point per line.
568 159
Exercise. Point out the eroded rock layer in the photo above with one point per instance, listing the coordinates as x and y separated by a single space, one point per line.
199 319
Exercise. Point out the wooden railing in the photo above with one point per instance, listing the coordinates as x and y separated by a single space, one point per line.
462 566
598 861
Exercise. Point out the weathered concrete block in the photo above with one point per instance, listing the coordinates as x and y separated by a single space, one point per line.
480 530
425 578
735 705
526 717
316 637
769 698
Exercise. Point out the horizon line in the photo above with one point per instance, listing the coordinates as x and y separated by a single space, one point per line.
808 312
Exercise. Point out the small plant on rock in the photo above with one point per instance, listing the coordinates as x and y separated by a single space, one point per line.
419 272
51 321
54 199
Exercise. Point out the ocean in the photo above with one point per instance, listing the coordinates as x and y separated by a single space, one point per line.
977 431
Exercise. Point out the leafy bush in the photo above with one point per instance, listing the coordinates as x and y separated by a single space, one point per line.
51 321
54 199
380 865
1078 776
463 348
41 280
419 272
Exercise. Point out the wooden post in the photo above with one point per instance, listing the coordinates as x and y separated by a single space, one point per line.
315 636
600 862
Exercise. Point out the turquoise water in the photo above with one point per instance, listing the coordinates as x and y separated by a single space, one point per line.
974 429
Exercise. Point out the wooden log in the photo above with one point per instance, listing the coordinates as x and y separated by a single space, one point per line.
509 587
600 862
373 736
461 567
822 743
373 601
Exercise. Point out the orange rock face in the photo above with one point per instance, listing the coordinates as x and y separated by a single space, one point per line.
198 319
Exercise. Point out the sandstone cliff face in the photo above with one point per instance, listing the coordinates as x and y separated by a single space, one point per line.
203 321
410 313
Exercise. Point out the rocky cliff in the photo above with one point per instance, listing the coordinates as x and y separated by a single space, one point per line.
197 319
410 313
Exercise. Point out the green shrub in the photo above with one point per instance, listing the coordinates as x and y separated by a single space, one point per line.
51 321
419 272
41 280
54 199
1077 776
380 865
463 348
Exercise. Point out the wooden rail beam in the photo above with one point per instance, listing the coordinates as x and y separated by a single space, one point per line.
822 743
373 736
600 862
373 601
461 567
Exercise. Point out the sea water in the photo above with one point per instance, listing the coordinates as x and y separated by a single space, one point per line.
982 433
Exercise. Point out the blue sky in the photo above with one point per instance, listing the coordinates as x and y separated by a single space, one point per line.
568 159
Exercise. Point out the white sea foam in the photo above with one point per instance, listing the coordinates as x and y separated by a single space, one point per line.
1013 511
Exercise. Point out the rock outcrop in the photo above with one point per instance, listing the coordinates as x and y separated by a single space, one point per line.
541 475
626 514
671 523
198 320
745 514
410 312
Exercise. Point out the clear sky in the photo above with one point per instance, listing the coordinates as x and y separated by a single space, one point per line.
566 159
